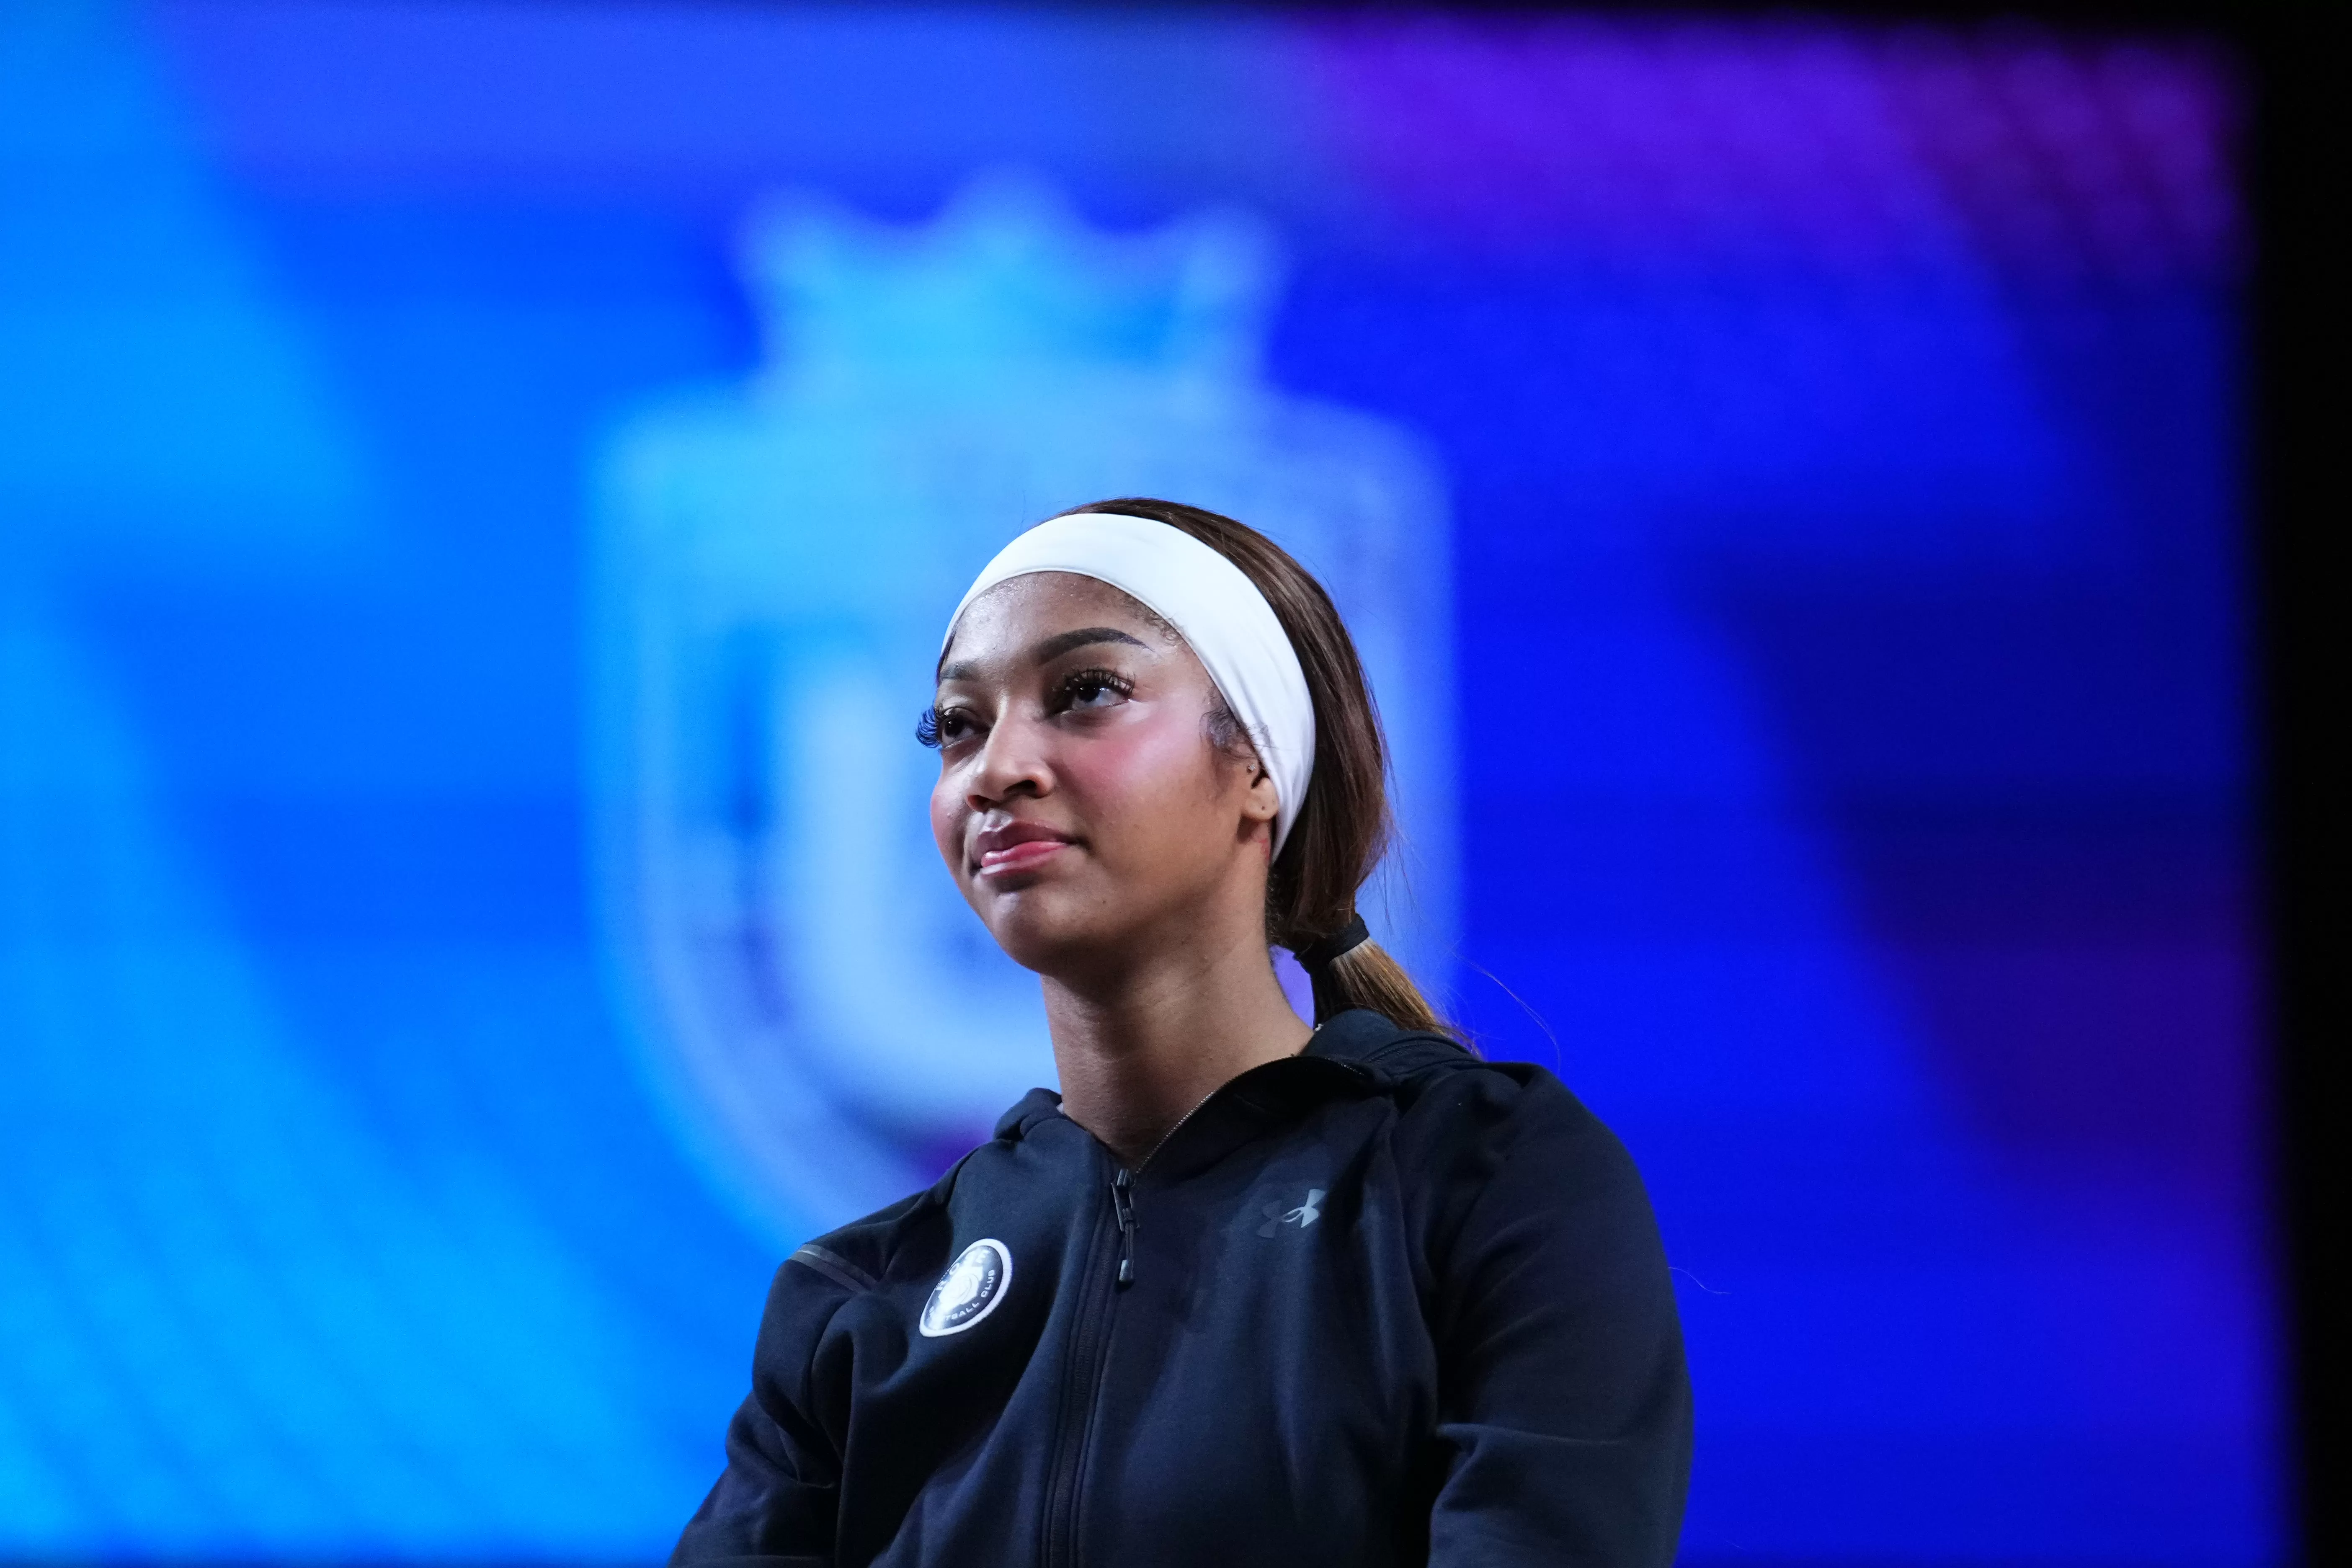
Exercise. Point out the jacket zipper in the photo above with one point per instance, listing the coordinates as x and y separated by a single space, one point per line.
1122 1207
1090 1350
1082 1386
1122 1196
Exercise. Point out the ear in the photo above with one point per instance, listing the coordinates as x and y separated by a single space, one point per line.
1261 803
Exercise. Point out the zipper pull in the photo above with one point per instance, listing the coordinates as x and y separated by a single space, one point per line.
1122 1203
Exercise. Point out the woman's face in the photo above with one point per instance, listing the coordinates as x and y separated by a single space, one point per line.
1082 806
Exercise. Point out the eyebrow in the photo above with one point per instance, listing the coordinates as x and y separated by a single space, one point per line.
1052 648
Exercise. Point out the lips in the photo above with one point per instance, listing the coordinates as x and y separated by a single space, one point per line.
1017 846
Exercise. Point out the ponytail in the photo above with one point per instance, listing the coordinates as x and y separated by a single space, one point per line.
1366 976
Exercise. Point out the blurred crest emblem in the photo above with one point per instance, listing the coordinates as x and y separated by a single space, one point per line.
775 560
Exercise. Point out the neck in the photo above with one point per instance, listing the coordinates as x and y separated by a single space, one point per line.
1137 1051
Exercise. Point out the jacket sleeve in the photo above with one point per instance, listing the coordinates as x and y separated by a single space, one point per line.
774 1506
1564 1418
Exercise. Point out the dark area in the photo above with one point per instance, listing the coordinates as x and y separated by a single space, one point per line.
2299 176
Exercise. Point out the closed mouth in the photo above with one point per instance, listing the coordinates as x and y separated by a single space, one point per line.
1016 847
1021 857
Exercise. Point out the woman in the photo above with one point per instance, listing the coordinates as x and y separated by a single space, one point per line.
1244 1292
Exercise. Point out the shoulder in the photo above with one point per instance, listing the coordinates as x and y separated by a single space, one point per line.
1462 1117
1493 1151
820 1294
1470 1122
1526 1208
860 1256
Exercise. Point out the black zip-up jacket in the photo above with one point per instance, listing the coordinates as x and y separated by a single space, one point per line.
1379 1303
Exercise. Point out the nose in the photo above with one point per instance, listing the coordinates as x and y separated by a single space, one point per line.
1011 762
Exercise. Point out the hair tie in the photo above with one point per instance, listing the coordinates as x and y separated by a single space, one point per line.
1316 956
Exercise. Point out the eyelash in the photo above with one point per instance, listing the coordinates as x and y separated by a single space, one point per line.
929 721
1098 679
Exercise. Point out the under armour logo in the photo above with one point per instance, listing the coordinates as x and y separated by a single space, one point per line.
1302 1216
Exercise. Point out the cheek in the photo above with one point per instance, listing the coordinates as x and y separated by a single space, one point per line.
947 822
1143 784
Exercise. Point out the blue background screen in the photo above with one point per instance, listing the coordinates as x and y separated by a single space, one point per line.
464 466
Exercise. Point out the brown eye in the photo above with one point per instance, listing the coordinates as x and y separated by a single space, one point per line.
935 727
1092 689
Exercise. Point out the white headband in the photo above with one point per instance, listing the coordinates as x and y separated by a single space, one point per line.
1215 607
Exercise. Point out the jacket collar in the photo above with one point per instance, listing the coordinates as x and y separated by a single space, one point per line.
1356 1053
1033 1107
1369 1040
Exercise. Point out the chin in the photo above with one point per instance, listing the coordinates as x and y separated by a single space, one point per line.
1044 928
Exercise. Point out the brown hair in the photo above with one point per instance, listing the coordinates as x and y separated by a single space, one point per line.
1345 827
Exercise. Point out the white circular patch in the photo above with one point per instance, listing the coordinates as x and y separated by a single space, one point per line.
971 1288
